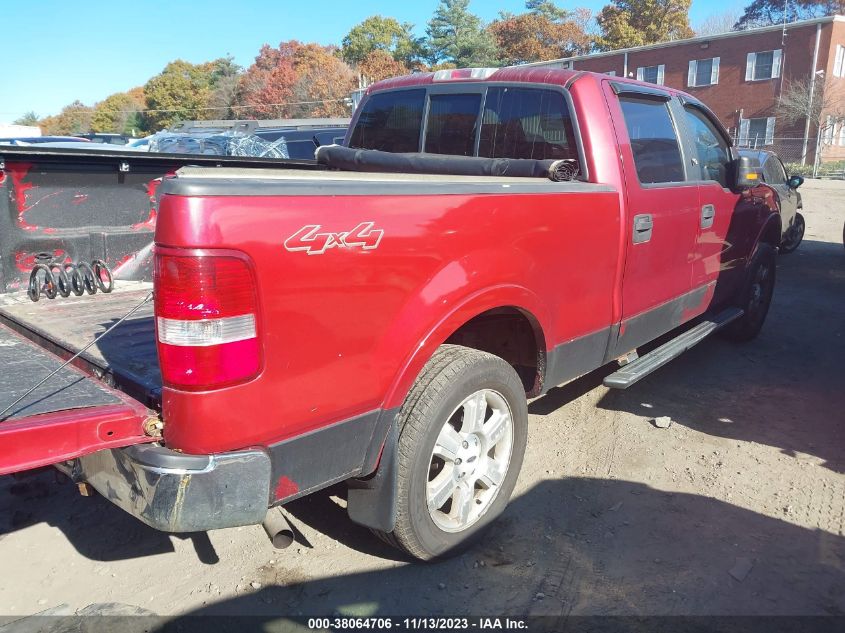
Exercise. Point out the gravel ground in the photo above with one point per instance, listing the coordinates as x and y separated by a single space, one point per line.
737 508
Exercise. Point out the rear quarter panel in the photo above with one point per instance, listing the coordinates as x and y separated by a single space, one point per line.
346 331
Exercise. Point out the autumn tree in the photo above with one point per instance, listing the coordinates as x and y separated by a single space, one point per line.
378 33
120 113
455 35
378 65
28 118
225 75
295 80
543 32
769 12
627 23
184 91
73 119
324 79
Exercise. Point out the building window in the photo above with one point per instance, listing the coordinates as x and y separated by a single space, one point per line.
757 132
839 61
761 66
651 74
703 72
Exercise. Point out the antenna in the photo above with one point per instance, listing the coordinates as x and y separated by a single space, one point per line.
783 32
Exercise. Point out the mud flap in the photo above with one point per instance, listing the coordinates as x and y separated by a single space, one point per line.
371 502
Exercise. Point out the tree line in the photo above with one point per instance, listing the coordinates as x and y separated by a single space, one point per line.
297 80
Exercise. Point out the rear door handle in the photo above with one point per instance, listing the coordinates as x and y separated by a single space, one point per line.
708 212
643 224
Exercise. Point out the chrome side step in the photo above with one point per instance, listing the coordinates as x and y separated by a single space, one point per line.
655 359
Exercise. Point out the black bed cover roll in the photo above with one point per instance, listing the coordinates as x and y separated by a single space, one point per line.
370 160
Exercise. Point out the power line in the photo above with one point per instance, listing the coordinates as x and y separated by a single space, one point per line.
231 107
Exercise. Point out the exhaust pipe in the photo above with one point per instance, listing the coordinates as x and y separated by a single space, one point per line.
278 528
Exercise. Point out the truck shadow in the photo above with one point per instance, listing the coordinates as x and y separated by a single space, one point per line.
783 389
94 526
585 546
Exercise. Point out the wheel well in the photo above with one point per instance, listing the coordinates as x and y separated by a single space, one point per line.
772 233
511 334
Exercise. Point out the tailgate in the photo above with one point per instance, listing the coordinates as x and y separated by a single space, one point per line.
70 415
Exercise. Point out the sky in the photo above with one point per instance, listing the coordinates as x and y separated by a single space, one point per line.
57 51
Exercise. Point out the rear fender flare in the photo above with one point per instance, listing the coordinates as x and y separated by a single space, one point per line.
470 307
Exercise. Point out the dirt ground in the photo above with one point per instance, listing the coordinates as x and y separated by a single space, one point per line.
737 508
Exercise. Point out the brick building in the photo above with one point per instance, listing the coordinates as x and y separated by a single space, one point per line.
741 75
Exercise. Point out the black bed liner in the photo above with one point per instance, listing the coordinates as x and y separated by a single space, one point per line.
25 364
126 358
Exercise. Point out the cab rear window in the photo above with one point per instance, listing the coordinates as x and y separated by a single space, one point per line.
526 123
452 121
390 122
500 121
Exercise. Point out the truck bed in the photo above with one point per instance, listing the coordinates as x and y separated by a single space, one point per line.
126 358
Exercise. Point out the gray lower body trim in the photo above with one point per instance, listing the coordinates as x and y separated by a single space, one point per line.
325 456
582 355
575 358
657 321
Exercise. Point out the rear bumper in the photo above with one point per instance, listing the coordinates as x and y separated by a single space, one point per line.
173 492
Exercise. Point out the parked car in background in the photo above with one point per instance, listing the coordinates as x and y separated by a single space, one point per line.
773 173
106 137
302 143
140 144
294 138
87 147
30 140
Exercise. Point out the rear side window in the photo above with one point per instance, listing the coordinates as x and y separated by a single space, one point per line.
654 142
526 123
390 122
452 122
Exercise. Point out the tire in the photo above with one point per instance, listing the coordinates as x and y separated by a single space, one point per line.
478 461
755 296
794 235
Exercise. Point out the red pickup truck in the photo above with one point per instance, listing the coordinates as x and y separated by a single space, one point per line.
331 321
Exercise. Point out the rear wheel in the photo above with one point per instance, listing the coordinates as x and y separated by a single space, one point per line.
463 431
794 235
756 295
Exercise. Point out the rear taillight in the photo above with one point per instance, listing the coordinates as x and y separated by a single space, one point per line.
206 310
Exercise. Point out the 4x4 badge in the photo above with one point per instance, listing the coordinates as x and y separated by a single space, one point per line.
312 241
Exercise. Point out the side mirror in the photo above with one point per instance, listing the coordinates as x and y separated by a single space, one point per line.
795 181
747 176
